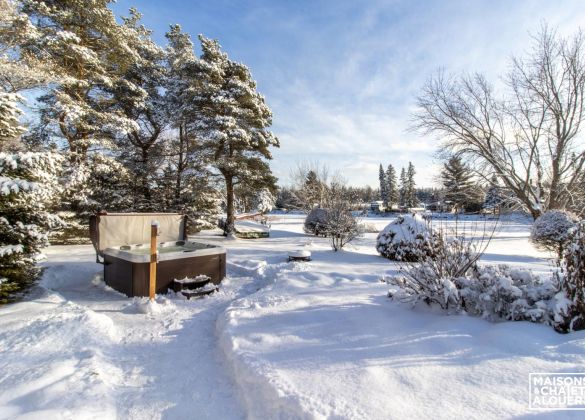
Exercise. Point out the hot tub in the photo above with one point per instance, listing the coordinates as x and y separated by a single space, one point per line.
126 268
127 264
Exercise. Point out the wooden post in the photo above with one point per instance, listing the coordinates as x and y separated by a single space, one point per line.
153 258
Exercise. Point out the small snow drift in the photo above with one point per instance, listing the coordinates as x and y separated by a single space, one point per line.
249 229
404 238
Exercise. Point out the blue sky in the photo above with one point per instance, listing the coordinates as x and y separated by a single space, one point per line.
342 76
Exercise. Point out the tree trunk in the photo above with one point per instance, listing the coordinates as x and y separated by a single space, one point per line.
180 163
535 213
230 217
144 175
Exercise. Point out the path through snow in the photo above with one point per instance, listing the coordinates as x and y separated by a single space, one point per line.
77 349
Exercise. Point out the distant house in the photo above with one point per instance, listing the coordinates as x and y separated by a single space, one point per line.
441 206
377 206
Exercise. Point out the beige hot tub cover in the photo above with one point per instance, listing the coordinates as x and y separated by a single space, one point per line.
113 230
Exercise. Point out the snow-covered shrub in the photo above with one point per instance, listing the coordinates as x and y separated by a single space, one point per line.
438 260
492 292
408 238
442 260
551 230
316 221
420 284
505 293
341 227
29 185
570 301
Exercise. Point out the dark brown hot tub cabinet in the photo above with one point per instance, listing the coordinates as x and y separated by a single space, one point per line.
119 239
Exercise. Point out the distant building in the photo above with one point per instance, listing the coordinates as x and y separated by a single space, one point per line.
441 207
377 206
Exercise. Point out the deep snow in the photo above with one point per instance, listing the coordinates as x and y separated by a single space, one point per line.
280 340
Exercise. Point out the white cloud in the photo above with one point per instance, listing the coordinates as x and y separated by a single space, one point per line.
354 113
342 75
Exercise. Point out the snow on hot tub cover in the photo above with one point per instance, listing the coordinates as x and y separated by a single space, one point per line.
115 229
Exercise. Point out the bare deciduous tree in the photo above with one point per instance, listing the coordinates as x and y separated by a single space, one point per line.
531 137
310 183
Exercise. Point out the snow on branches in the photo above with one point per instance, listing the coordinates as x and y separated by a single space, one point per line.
570 301
551 230
29 182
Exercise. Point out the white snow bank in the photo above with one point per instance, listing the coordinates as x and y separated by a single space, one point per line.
57 360
323 341
76 349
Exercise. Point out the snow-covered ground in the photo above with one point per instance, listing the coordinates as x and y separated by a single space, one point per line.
280 340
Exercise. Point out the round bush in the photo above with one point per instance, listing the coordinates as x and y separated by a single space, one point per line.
407 238
316 221
551 230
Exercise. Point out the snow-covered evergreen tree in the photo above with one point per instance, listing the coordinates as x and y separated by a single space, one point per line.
460 188
403 187
231 119
410 199
186 183
18 74
570 301
264 200
87 51
139 93
29 184
392 193
313 190
10 127
383 184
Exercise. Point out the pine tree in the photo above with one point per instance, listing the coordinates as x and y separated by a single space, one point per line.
403 188
139 94
232 119
494 196
313 190
410 199
87 51
188 184
460 188
263 201
87 48
392 193
29 184
383 185
10 127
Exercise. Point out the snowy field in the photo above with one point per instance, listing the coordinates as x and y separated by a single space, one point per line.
280 340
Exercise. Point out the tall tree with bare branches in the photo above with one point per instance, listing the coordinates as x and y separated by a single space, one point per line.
531 136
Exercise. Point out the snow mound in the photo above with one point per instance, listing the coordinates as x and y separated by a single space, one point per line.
162 305
248 268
